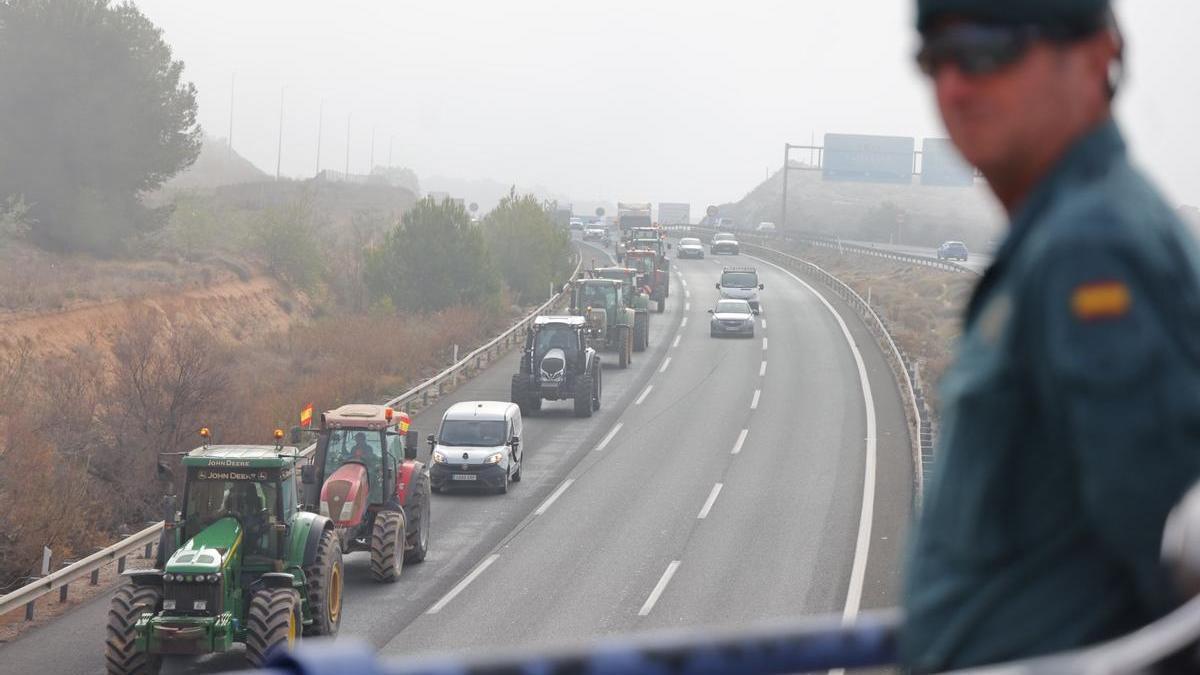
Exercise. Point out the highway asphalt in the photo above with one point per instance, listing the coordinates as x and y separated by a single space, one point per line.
722 482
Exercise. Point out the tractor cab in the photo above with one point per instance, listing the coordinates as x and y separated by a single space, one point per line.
373 440
597 293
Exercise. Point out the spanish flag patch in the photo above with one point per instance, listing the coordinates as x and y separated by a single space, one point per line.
1101 300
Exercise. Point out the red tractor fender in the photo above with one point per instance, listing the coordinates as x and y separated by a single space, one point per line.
405 479
345 494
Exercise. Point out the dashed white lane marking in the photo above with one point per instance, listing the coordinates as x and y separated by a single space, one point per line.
554 496
676 342
487 562
708 503
858 570
664 365
754 401
682 281
764 344
687 294
737 447
659 588
762 369
764 321
608 437
684 322
643 395
687 306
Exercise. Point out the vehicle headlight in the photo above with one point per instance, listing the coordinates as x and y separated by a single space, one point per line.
214 578
494 458
438 458
168 577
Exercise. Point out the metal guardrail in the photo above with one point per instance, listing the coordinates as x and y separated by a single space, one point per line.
28 594
919 424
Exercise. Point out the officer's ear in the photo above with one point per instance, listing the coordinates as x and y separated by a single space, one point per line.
1116 61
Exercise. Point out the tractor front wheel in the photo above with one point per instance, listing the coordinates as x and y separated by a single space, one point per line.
387 546
662 306
128 604
325 587
598 390
272 623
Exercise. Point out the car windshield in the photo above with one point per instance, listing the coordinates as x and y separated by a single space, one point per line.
643 263
598 295
732 307
550 337
739 279
472 433
689 241
213 494
722 236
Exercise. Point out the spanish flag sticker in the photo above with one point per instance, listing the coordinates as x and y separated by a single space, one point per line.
306 415
1100 300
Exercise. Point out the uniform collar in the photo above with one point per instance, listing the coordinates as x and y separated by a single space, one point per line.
1090 155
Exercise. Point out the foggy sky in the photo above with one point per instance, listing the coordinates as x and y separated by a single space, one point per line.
630 100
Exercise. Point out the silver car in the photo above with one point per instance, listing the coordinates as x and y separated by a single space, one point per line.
731 317
690 247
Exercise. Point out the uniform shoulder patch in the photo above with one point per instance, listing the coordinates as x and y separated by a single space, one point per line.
1100 300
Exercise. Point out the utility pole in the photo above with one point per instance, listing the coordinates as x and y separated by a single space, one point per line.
320 123
232 81
783 206
279 148
371 168
391 141
349 117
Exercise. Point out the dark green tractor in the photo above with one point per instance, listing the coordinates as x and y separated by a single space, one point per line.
602 304
240 562
636 297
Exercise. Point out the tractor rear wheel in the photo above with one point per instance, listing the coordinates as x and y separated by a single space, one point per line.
640 333
624 347
325 582
272 623
387 546
662 306
598 390
583 396
126 607
419 542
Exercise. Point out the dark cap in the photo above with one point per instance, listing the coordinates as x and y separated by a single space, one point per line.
1085 15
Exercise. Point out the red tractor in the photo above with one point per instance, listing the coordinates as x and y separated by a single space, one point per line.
654 281
371 485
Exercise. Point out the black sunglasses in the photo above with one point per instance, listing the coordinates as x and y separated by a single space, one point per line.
979 49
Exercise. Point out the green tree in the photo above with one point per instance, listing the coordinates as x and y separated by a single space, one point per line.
435 258
93 112
531 252
286 238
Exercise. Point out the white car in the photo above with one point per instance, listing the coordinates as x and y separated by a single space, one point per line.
741 283
766 227
478 445
594 234
690 247
731 317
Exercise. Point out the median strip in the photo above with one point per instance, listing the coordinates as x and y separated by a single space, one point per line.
659 588
462 585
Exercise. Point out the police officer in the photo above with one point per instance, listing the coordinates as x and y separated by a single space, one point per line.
1071 416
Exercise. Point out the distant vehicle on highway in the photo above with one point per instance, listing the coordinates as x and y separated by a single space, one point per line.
766 227
594 233
731 317
724 242
690 247
478 445
952 250
741 283
726 224
576 224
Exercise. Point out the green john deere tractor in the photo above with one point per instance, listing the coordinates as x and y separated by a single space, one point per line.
602 304
636 297
240 562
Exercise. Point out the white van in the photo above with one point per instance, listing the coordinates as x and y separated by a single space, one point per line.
477 445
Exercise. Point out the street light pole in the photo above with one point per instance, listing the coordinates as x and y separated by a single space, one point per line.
320 123
279 148
783 207
391 141
349 117
371 168
232 82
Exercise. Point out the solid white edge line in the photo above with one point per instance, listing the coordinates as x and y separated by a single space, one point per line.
643 395
659 588
754 401
676 342
762 369
664 365
554 496
708 503
862 548
737 447
441 604
608 437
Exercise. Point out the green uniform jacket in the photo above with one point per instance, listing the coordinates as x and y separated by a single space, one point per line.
1071 425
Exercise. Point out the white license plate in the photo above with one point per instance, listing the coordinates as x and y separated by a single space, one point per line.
463 476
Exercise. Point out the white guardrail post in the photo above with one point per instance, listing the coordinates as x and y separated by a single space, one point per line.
28 594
